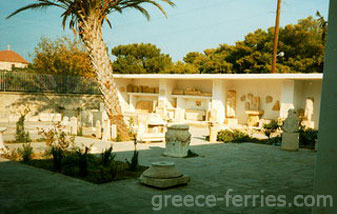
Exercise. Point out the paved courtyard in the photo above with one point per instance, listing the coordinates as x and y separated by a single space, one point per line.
246 168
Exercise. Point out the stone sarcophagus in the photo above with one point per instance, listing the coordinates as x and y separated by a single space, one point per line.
178 139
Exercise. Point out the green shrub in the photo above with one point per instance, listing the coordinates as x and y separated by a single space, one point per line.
83 161
133 165
308 137
21 135
107 157
58 155
234 136
26 152
270 128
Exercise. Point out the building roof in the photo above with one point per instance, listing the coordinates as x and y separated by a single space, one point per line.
11 56
292 76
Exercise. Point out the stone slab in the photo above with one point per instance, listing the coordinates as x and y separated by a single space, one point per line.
165 183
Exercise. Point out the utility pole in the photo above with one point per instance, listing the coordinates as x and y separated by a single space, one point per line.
276 35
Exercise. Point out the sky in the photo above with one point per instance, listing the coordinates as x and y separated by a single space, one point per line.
192 25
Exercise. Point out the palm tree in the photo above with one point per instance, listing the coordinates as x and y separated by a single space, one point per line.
323 24
86 17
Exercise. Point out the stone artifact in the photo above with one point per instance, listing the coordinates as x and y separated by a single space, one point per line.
195 114
73 125
163 175
192 92
255 104
65 125
98 129
178 139
276 106
129 88
122 89
250 97
213 115
308 112
243 98
113 131
144 106
290 136
106 130
269 99
213 132
230 104
178 92
2 146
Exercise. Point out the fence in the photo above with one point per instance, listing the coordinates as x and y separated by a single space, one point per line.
41 83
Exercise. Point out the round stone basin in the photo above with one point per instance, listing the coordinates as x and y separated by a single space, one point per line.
162 170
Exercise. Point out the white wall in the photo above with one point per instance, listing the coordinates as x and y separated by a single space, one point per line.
8 65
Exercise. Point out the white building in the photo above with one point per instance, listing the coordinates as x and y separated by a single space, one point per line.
10 59
226 98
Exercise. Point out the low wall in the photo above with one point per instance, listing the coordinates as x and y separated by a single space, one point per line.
11 103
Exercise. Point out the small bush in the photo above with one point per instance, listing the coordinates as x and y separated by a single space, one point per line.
308 137
21 135
58 155
107 157
26 152
83 161
234 136
270 128
133 165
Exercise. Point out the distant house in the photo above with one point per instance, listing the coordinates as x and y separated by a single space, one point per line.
10 59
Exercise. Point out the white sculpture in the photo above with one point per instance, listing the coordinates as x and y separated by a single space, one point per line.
309 109
290 136
290 124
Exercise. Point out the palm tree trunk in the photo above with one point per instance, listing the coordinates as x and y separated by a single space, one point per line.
91 35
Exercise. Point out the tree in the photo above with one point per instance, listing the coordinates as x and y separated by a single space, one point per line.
139 58
302 44
62 56
86 19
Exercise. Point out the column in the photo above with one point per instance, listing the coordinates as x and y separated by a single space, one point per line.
287 97
218 100
326 167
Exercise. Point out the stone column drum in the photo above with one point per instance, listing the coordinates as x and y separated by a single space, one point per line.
178 139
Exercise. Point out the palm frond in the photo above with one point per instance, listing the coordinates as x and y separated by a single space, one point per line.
41 5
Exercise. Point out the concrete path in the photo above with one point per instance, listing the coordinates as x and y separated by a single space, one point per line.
245 168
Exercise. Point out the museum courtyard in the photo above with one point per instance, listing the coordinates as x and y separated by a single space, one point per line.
246 168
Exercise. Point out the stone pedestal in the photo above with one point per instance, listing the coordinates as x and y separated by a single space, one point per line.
178 139
290 141
213 132
254 117
163 175
2 146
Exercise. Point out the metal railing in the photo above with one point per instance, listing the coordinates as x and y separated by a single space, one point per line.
45 83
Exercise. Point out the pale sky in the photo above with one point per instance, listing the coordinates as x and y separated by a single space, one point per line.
193 25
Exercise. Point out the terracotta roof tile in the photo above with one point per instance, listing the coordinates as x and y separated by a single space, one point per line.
11 56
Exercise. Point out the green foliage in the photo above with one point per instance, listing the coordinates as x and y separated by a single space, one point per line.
133 165
302 44
308 137
270 127
26 152
234 136
83 161
58 155
64 56
139 58
21 135
107 156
